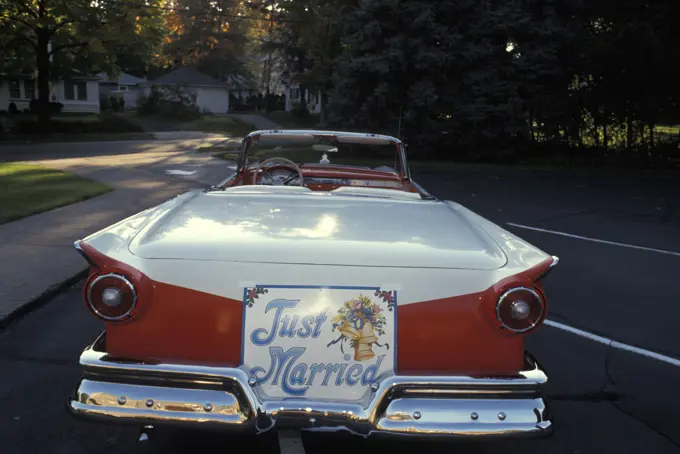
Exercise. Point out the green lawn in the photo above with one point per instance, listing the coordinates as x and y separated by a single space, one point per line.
30 189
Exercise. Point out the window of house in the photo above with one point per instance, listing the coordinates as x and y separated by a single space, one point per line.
122 88
75 90
15 89
295 93
29 89
314 98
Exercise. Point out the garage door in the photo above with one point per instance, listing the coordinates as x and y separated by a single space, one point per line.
213 100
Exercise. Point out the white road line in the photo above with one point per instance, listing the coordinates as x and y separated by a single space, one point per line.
612 343
595 240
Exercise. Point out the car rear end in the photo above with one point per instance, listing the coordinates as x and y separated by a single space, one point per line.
255 345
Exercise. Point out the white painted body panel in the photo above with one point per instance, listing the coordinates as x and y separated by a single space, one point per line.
303 228
228 278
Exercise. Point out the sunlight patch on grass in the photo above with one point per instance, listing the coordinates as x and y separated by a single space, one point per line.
29 189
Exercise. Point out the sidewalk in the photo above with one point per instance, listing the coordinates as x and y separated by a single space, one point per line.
38 251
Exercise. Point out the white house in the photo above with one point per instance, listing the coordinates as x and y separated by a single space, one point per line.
293 96
125 86
77 93
212 96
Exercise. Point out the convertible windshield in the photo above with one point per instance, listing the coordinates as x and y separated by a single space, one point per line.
381 155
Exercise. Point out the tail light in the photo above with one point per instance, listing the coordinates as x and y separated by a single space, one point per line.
112 297
520 309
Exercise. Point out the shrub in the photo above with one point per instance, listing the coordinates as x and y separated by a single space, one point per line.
300 111
149 105
104 104
115 105
179 111
54 107
13 108
171 102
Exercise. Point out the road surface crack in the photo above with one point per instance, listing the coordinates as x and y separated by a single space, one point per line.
610 381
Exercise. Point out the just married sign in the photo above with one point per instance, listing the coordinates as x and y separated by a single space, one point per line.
318 342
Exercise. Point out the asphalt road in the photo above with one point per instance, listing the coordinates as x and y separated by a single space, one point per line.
604 399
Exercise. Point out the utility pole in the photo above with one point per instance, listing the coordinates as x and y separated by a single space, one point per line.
399 127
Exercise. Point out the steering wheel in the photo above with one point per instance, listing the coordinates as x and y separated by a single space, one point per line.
288 164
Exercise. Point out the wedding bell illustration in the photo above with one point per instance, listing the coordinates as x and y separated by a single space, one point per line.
360 321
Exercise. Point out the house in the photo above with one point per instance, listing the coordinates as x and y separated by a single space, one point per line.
77 92
294 96
211 95
241 87
125 86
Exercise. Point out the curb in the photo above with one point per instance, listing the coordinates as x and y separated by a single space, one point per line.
45 297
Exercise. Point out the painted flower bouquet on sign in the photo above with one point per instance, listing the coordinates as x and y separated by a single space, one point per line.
361 322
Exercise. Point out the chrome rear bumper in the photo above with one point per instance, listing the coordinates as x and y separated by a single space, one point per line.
216 397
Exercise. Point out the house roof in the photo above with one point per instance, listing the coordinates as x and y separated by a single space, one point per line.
72 74
239 82
78 75
189 76
123 79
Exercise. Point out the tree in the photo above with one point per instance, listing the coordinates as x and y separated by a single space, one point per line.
76 32
440 69
308 37
208 34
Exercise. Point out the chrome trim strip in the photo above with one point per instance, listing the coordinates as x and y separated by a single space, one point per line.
555 262
76 244
321 132
128 391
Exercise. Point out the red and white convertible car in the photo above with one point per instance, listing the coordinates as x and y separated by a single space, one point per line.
317 288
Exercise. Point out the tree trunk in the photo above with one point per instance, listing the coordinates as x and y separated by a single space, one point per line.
596 128
303 95
322 103
43 64
651 136
642 133
605 131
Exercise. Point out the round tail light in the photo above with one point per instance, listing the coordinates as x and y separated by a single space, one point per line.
520 309
112 297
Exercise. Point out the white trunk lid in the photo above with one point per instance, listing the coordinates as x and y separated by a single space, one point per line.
318 229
